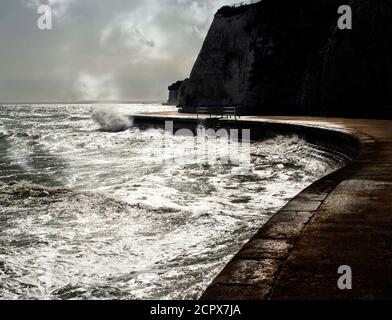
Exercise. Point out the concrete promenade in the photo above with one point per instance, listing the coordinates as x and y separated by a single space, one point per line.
342 219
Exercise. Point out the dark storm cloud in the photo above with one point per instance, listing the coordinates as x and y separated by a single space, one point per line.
99 49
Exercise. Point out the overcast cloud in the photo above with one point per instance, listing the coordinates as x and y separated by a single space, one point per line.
100 49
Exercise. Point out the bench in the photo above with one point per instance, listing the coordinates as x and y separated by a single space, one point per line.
222 112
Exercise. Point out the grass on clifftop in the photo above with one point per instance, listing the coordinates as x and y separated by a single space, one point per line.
230 11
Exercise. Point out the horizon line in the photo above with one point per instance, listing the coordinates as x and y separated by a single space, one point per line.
84 102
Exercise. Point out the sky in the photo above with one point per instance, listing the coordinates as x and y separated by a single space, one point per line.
126 50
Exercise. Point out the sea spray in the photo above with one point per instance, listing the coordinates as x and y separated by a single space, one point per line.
3 133
111 119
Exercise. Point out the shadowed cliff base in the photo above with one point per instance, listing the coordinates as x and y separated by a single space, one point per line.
290 58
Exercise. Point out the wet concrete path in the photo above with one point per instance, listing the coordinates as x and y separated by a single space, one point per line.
352 226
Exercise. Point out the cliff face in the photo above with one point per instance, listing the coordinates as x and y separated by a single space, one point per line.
352 72
220 76
288 57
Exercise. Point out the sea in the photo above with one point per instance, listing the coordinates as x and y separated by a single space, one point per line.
89 209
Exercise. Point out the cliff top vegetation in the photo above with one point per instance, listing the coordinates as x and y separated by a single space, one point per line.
229 11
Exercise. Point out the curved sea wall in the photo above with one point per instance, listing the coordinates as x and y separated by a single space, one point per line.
339 141
289 57
342 219
255 273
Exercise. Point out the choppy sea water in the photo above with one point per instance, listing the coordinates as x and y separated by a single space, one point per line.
83 215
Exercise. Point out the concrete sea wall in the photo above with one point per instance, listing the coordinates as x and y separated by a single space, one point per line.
334 140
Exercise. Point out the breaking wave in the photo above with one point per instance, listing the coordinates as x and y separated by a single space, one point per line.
111 119
3 133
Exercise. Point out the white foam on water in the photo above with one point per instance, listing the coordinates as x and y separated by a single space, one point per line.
113 218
